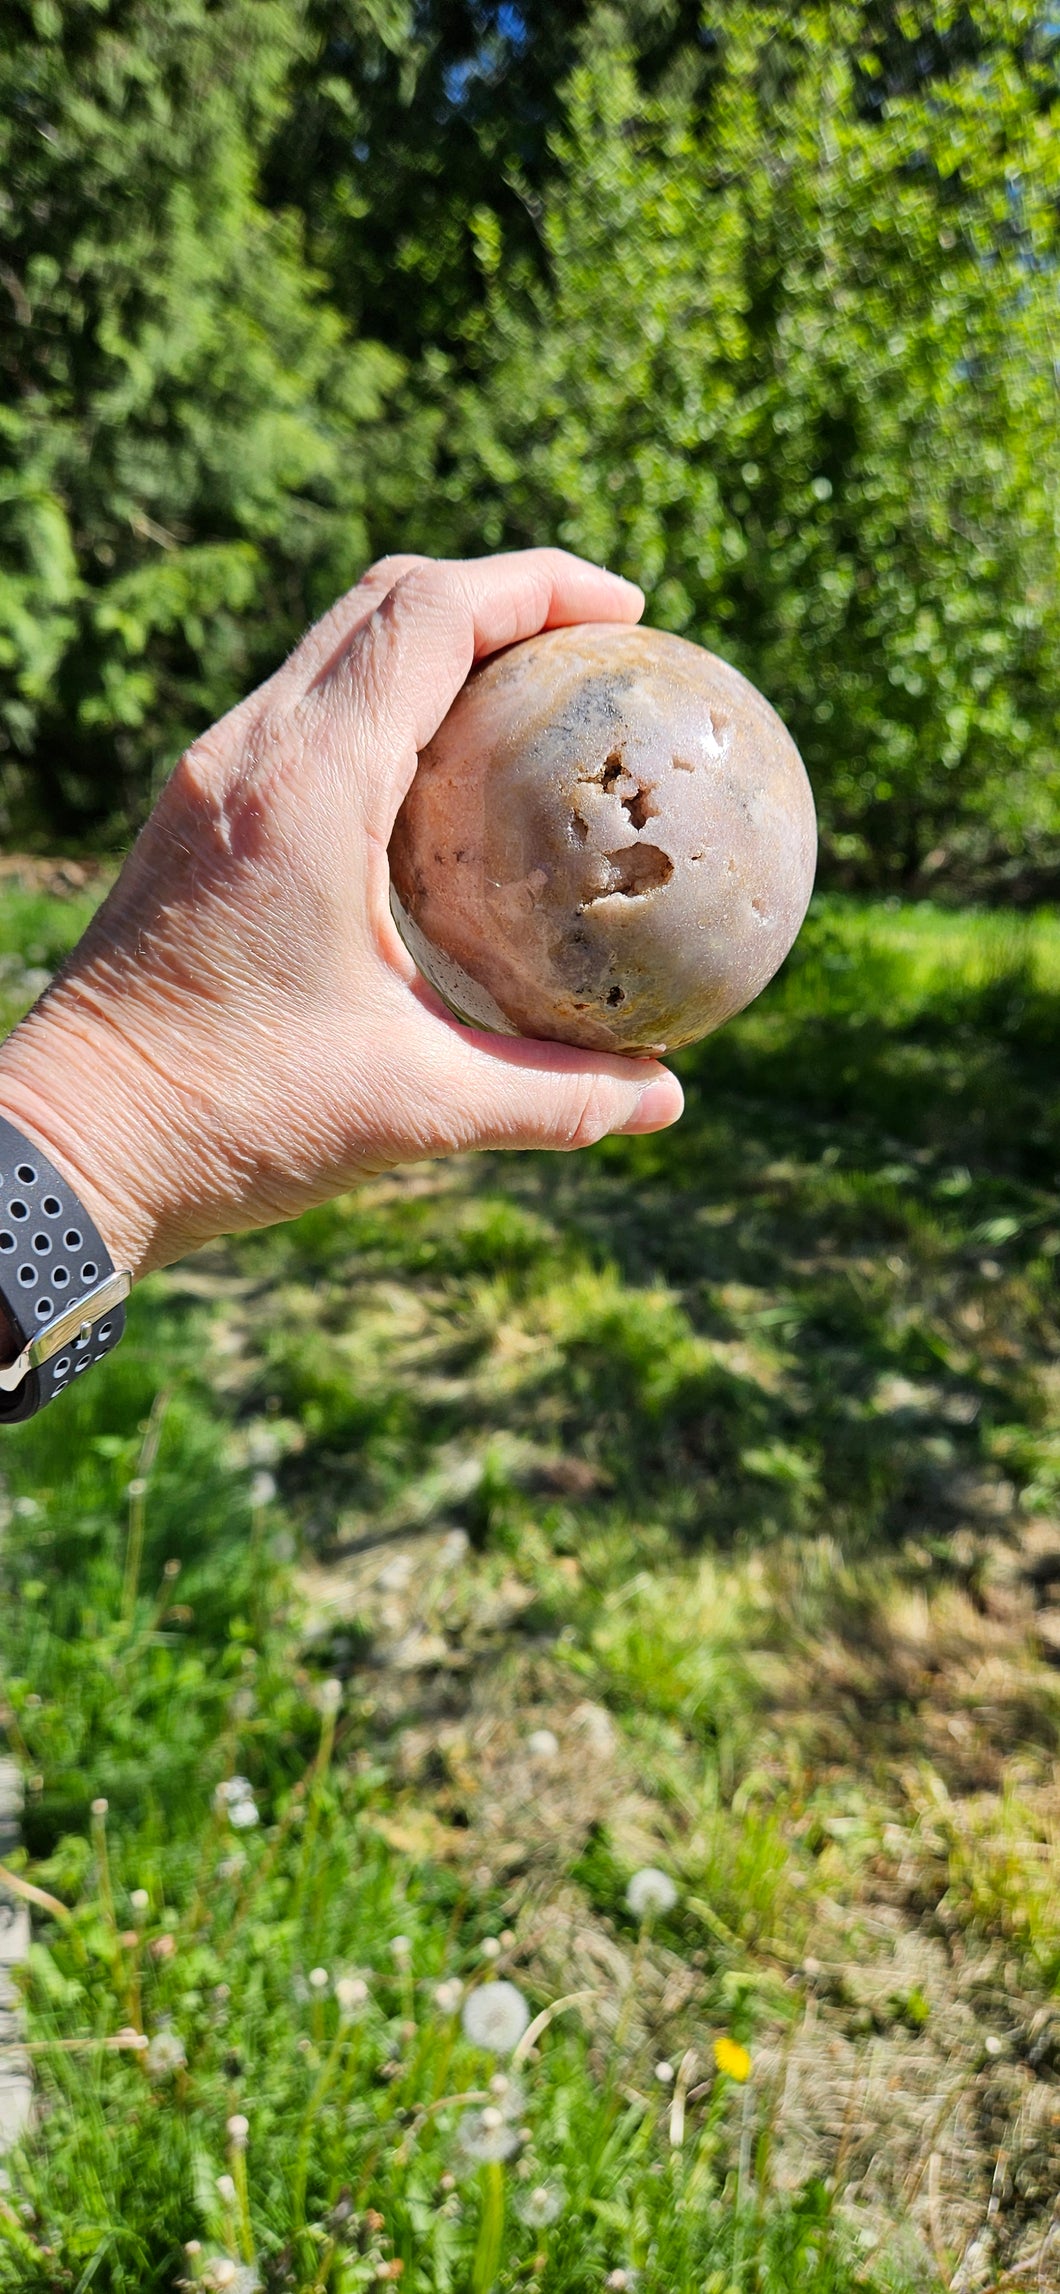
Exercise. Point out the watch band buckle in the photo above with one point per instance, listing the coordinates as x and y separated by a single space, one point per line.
72 1325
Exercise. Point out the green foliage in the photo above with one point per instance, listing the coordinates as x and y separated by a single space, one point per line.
790 362
730 1416
182 410
760 308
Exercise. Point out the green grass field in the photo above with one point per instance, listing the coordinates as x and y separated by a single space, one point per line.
511 1527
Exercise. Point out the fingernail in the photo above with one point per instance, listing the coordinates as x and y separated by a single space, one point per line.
658 1106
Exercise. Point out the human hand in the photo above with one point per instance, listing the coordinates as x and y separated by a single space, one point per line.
241 1033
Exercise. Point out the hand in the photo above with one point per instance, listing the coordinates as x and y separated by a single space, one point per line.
241 1033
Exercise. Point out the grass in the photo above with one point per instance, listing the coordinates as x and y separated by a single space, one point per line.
687 1504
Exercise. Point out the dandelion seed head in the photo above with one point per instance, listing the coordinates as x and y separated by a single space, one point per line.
400 1948
351 1992
509 2097
541 2204
230 1867
483 2145
238 2130
664 2073
319 1978
262 1488
992 2043
495 2017
329 1696
650 1892
448 1995
243 1815
542 1744
100 1807
226 2190
165 2055
232 1789
492 2118
490 1948
140 1900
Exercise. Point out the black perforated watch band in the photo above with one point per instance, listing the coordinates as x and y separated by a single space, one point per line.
57 1280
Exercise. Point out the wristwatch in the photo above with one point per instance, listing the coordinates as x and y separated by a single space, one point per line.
58 1281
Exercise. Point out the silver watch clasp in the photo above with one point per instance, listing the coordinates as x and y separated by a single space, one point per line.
72 1326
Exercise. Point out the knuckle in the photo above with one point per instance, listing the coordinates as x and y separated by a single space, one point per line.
216 778
199 778
384 572
416 585
592 1120
428 600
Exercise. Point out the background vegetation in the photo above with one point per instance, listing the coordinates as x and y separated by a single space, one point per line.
754 301
418 1574
690 1504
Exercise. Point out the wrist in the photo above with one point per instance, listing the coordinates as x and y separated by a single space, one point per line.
72 1084
63 1295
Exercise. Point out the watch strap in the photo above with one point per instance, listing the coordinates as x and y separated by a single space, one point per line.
58 1281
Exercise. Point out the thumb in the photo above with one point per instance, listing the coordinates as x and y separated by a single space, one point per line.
478 1090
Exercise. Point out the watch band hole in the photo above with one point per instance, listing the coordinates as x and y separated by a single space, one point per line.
73 1239
17 1210
26 1173
89 1271
104 1331
42 1245
27 1276
51 1206
7 1242
44 1309
78 1367
60 1368
59 1275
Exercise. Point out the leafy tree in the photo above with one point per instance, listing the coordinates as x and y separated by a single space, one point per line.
181 409
790 360
403 118
756 300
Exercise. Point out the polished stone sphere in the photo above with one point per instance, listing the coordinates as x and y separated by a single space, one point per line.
610 841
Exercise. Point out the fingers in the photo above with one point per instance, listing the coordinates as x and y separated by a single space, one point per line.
476 1090
329 636
410 659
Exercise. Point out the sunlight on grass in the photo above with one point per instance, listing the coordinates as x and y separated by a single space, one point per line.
432 1568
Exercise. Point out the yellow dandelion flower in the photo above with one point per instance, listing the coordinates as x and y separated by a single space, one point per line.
732 2059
